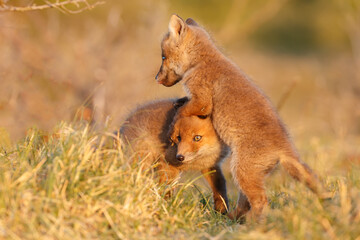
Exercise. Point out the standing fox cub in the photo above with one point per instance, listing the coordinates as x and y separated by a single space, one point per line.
241 114
198 148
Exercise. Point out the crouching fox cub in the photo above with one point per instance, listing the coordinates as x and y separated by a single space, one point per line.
198 147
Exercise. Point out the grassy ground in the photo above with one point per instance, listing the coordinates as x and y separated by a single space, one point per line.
68 187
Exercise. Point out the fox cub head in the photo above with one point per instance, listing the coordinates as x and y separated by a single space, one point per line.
181 49
196 139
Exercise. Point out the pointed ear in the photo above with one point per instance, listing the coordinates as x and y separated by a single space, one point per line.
176 26
192 22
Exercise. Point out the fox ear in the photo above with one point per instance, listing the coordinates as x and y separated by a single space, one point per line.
192 22
176 26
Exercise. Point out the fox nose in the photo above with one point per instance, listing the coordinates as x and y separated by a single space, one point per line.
180 157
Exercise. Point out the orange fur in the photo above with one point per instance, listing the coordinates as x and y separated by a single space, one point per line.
146 131
242 115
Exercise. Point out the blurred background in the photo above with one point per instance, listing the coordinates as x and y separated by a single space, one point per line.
304 54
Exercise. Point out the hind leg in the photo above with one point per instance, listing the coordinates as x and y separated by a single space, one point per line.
242 207
249 172
217 183
252 186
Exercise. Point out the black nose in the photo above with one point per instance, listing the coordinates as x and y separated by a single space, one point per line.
180 157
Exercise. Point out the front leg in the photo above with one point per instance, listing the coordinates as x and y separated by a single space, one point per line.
167 175
200 104
217 183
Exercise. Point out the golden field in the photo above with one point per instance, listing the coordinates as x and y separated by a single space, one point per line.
57 181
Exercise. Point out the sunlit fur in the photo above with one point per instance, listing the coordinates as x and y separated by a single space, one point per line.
146 132
242 115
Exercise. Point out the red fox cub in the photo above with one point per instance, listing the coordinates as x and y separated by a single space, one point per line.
241 114
197 148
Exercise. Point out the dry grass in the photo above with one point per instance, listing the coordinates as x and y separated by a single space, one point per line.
63 185
68 187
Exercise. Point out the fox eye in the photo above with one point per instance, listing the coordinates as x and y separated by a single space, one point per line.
163 57
197 138
178 138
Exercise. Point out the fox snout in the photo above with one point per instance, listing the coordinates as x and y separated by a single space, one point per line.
167 77
185 152
161 77
180 157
